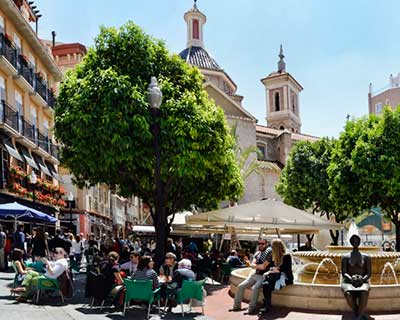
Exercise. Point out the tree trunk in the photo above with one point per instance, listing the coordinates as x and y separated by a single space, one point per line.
310 237
397 224
161 227
334 237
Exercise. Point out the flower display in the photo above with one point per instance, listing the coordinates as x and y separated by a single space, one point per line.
45 191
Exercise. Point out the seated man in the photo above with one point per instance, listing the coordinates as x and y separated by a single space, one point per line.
183 272
169 267
261 262
234 260
131 265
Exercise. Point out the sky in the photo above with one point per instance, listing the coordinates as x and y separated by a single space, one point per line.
333 48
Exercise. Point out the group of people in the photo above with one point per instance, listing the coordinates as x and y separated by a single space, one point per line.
170 275
273 270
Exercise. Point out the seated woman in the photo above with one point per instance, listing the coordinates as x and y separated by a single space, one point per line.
54 269
145 271
279 275
112 274
19 264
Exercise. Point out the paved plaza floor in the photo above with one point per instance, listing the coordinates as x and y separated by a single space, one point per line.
217 305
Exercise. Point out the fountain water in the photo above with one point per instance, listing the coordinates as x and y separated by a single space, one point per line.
323 262
389 266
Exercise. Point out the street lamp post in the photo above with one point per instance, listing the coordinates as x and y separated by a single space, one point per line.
155 98
70 199
33 180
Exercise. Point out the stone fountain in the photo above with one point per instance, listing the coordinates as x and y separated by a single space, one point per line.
317 281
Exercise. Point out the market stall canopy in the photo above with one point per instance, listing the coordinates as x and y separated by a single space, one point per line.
263 214
17 211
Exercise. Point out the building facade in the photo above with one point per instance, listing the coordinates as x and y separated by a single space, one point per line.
387 96
28 81
275 140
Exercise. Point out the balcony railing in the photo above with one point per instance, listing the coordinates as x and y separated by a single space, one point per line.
8 50
10 116
25 70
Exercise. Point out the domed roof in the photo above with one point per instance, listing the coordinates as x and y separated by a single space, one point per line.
199 57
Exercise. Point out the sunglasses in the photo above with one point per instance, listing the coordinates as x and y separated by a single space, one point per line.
262 244
133 257
58 252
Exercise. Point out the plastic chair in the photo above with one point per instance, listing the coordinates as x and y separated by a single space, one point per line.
225 269
16 281
48 284
140 290
190 290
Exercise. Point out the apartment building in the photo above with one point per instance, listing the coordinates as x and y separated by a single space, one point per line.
386 96
28 81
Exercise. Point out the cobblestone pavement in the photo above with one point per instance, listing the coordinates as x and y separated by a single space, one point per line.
218 303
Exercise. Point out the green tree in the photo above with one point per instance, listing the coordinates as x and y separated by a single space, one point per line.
304 181
365 170
103 121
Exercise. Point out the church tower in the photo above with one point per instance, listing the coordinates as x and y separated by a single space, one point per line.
282 98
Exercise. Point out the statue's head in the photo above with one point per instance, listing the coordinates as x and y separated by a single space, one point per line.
355 240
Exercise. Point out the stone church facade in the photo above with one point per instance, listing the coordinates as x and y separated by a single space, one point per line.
283 129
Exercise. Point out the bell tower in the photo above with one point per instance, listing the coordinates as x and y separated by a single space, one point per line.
282 98
195 21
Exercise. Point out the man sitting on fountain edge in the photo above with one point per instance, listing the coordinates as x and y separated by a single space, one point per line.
261 263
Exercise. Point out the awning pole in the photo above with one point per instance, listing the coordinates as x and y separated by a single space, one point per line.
298 241
278 233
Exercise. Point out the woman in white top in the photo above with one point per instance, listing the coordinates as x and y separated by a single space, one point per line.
76 249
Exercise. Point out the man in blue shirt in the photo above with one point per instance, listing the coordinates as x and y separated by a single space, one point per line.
19 238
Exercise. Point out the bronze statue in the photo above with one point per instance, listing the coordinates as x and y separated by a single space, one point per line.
356 271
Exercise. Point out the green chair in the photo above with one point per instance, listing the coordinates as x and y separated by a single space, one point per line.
140 290
225 269
190 290
16 281
47 284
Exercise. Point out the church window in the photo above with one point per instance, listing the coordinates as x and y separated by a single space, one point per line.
293 103
277 102
261 152
378 108
195 29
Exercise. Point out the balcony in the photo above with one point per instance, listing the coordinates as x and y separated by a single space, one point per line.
43 95
8 53
18 126
25 74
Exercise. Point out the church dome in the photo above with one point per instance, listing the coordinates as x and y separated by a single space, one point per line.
199 57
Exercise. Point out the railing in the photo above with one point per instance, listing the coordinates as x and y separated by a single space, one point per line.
25 70
11 117
54 150
43 141
8 50
41 88
28 130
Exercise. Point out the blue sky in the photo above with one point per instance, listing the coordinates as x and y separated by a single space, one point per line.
333 48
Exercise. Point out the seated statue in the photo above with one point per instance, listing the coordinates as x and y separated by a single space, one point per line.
356 271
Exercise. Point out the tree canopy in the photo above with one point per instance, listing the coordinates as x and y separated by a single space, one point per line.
304 181
103 122
365 170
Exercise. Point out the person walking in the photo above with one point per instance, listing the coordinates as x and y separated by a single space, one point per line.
3 239
19 238
261 262
39 245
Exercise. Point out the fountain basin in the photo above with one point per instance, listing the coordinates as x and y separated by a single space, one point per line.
321 297
328 275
